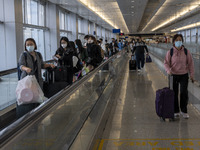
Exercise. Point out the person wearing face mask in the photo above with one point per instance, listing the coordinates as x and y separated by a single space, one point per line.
94 53
65 57
179 63
113 47
83 54
31 63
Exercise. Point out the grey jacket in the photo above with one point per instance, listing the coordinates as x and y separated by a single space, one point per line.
29 63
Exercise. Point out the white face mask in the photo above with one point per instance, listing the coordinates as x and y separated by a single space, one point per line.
30 48
64 45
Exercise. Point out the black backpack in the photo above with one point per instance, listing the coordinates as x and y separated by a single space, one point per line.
172 51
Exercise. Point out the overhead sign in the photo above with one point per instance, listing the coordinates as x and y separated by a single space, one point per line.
116 30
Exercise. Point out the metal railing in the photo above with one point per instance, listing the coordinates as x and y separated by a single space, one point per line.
15 128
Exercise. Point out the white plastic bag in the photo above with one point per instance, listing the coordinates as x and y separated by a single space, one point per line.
75 61
28 91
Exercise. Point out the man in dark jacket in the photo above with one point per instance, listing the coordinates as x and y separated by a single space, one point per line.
113 47
139 50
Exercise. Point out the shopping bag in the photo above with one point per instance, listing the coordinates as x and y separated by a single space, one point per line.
85 71
28 91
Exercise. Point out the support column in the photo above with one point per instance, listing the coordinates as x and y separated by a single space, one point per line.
13 31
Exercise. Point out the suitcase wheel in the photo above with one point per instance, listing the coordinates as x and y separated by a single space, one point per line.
162 119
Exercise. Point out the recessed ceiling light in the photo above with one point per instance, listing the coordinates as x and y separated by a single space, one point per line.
132 1
132 6
132 12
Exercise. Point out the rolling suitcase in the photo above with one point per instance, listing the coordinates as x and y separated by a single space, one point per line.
165 102
132 63
50 86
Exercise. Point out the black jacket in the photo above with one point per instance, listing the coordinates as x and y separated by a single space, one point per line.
140 48
94 54
113 49
66 57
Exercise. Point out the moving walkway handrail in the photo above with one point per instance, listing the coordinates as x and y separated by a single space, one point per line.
12 130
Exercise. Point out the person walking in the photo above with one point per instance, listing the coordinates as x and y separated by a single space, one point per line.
179 63
139 50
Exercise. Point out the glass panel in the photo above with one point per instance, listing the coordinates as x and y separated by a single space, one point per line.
41 42
63 34
28 12
79 26
23 11
198 35
2 49
34 13
1 11
187 36
69 26
27 33
62 19
66 21
41 15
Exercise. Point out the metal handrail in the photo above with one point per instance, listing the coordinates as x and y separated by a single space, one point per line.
15 128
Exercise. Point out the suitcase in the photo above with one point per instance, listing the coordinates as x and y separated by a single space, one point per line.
60 74
165 103
51 86
132 63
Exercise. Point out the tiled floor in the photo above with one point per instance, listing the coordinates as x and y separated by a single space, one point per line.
134 124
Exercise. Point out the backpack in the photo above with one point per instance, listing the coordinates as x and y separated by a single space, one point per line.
172 51
19 72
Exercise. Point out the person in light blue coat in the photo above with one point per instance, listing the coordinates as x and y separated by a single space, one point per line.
120 45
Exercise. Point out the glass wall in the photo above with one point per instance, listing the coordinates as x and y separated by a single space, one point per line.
65 24
34 23
3 64
38 36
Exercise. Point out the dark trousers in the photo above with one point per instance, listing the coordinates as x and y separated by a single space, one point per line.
140 60
183 81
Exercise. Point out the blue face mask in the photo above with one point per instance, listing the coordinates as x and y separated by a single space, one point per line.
178 44
76 46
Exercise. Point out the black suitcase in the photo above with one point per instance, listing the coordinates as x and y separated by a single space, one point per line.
51 86
132 63
60 74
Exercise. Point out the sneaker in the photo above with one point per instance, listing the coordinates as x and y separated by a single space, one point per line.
185 115
139 70
176 115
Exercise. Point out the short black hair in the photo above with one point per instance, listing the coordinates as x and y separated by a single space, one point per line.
86 37
176 36
30 39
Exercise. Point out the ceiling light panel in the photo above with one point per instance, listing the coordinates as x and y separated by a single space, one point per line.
171 11
108 11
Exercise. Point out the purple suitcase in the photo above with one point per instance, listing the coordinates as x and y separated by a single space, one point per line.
165 103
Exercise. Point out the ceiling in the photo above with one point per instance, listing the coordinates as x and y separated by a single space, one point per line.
136 16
